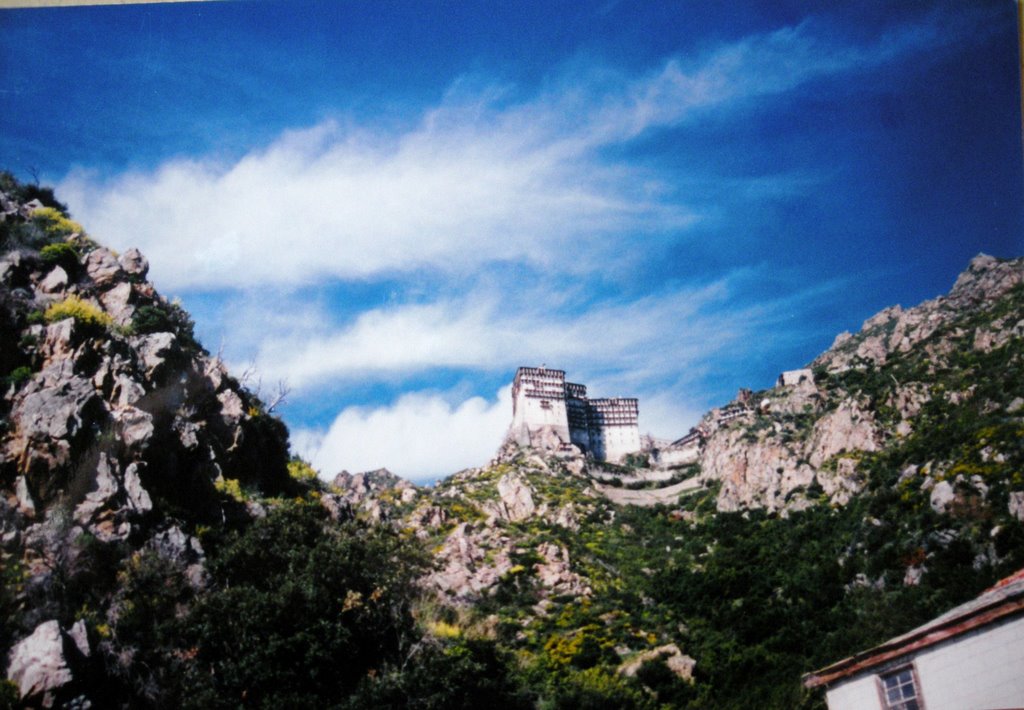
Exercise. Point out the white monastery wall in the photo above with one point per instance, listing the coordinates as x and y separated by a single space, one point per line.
679 456
543 403
532 414
615 442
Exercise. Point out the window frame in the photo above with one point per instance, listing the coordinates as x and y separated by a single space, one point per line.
915 680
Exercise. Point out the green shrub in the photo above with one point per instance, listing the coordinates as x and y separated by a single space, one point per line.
9 694
465 675
166 318
152 319
63 254
19 376
300 612
598 689
82 311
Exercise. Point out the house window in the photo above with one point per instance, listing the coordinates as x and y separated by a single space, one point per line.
899 690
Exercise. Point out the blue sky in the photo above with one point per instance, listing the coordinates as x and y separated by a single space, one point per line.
391 205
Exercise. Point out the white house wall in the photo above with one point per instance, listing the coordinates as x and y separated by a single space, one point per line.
859 693
980 669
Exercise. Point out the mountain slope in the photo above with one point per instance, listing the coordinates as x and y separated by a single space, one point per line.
805 522
160 550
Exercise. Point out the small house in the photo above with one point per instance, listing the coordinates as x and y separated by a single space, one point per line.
970 658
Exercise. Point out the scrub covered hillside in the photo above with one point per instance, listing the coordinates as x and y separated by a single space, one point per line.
161 549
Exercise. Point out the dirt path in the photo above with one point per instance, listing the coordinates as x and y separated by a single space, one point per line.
649 496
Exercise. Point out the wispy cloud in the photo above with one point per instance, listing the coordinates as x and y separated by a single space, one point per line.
480 178
627 342
497 329
486 183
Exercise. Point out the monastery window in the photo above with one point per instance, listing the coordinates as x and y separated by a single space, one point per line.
545 404
899 690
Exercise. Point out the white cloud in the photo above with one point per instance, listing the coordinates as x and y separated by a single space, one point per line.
480 178
488 330
423 435
420 436
668 415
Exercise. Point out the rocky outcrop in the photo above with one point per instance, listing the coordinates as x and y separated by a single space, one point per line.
375 494
555 571
804 436
472 561
675 660
115 429
516 500
895 330
41 664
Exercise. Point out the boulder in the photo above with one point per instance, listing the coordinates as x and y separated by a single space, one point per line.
59 341
153 350
38 665
102 267
117 302
58 412
675 660
516 501
942 496
127 391
232 409
134 427
49 421
55 281
1017 505
138 497
134 264
104 486
336 506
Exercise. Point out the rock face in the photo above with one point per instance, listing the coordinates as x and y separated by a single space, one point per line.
41 664
516 499
115 429
807 435
374 493
753 474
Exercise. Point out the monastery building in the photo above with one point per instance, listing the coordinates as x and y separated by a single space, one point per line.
546 407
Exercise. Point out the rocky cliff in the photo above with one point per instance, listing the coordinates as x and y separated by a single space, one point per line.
118 433
875 391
